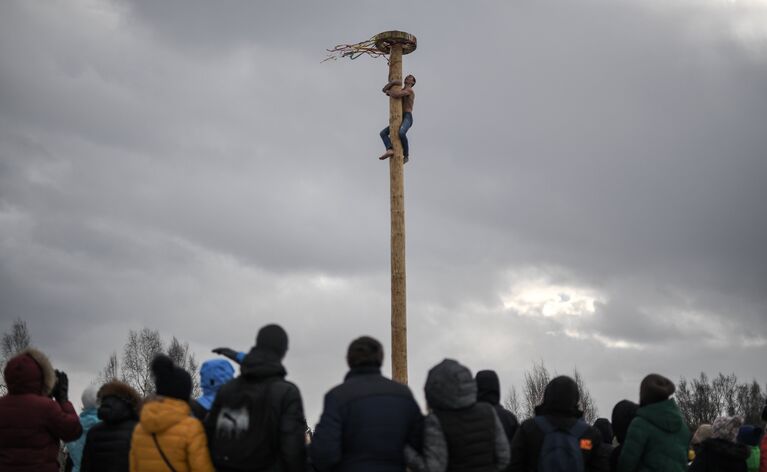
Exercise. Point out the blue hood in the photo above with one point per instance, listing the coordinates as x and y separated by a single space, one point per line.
213 374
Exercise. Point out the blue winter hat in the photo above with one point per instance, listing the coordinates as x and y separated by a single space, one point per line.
749 435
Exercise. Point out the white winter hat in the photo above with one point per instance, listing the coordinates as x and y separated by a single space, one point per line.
89 398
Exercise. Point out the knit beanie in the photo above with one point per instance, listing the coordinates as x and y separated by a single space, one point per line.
703 432
726 427
90 398
171 381
364 352
749 435
655 388
273 338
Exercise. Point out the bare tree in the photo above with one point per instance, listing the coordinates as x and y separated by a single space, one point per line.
111 371
750 401
512 402
138 353
181 356
12 343
587 405
536 380
702 400
141 347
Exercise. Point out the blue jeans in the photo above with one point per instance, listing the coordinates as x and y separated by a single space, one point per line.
407 122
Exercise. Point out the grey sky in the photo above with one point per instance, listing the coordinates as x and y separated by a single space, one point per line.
586 184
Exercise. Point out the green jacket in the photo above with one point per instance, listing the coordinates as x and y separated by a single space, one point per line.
753 459
656 441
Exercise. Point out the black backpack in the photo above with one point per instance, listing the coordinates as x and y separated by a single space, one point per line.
245 431
561 449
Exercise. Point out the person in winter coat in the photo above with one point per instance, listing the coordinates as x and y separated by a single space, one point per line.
213 374
657 438
460 434
368 419
31 423
560 411
257 420
606 449
703 432
489 391
107 446
623 414
167 436
88 418
750 436
720 453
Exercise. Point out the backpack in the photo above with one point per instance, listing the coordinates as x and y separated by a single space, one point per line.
245 430
561 449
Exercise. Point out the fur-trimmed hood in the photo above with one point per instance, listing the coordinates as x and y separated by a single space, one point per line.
30 371
121 390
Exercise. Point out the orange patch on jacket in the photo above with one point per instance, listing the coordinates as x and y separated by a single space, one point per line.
586 444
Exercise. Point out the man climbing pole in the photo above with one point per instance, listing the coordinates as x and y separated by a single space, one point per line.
407 95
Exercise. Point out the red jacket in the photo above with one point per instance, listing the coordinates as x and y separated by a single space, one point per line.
32 424
763 456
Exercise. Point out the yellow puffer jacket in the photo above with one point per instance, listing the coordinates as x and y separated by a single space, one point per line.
180 435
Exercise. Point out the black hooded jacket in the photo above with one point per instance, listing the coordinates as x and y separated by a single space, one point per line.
720 455
262 369
489 391
107 446
560 407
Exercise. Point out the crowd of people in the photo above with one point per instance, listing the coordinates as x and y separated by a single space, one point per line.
255 422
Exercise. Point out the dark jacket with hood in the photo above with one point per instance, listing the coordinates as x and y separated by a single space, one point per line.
31 423
489 391
624 413
365 424
721 455
657 439
107 446
560 408
262 373
460 434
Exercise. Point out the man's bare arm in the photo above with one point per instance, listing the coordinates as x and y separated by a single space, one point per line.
391 84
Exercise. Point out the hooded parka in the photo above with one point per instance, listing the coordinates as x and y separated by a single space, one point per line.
31 423
107 447
213 374
657 439
460 434
262 372
180 435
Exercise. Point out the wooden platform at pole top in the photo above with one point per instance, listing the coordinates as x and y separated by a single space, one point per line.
385 40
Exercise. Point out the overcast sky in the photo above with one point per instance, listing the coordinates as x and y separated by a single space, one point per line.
586 184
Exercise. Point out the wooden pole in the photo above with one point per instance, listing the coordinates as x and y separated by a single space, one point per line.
397 189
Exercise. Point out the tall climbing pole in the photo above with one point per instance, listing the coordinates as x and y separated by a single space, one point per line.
397 43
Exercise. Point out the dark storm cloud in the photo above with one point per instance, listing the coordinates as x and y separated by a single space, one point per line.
192 169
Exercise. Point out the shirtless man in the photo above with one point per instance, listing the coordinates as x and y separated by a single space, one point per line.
408 98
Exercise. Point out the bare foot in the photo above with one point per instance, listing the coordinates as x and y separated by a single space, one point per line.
389 153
